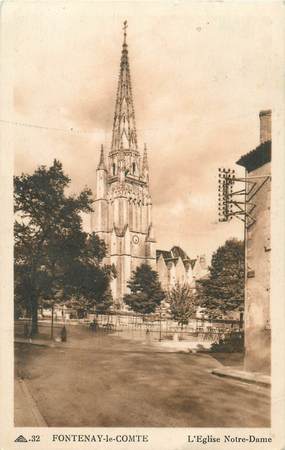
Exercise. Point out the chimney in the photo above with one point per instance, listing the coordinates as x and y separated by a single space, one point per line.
265 126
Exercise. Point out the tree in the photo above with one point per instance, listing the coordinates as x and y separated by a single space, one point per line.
223 290
146 293
87 280
182 302
104 302
54 259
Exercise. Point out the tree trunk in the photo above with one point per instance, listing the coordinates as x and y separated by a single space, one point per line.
52 316
34 310
241 321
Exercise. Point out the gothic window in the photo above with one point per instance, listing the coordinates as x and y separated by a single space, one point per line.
114 169
134 168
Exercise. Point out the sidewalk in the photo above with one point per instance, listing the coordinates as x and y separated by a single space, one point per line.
36 341
26 413
242 375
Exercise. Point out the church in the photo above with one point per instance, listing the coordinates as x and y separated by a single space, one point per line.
122 214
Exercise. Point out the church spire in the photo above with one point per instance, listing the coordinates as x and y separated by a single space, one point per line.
124 127
101 164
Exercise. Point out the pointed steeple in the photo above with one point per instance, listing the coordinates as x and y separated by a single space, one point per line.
124 127
101 164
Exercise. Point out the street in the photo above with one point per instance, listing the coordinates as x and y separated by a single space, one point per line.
101 380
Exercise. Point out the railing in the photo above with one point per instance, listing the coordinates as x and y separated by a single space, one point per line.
134 327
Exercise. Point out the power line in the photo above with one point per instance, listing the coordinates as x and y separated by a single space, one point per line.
74 131
41 127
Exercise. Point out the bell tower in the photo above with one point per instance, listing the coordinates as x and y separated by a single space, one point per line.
122 215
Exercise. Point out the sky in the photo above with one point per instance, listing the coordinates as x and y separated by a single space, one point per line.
201 72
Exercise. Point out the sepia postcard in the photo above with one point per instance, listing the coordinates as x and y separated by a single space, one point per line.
142 225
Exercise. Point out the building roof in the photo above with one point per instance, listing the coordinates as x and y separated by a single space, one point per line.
165 253
177 251
256 158
173 256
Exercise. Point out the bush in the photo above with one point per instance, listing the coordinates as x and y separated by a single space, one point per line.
233 342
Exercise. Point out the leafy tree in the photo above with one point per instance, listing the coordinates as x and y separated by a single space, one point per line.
146 293
104 302
183 303
223 290
101 302
54 259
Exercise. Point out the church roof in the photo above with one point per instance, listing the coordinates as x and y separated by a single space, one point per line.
177 251
165 253
187 264
173 256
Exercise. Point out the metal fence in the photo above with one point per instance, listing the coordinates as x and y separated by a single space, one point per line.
166 329
134 327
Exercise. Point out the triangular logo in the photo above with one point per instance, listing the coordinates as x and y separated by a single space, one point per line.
21 438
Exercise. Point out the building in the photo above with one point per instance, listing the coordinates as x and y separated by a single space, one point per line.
257 164
175 266
122 213
123 207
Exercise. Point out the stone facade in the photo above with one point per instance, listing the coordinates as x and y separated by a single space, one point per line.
257 165
175 266
122 213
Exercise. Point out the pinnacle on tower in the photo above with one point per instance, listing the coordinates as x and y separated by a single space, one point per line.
124 127
101 164
145 160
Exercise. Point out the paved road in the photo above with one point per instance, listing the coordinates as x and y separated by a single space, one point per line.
102 380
